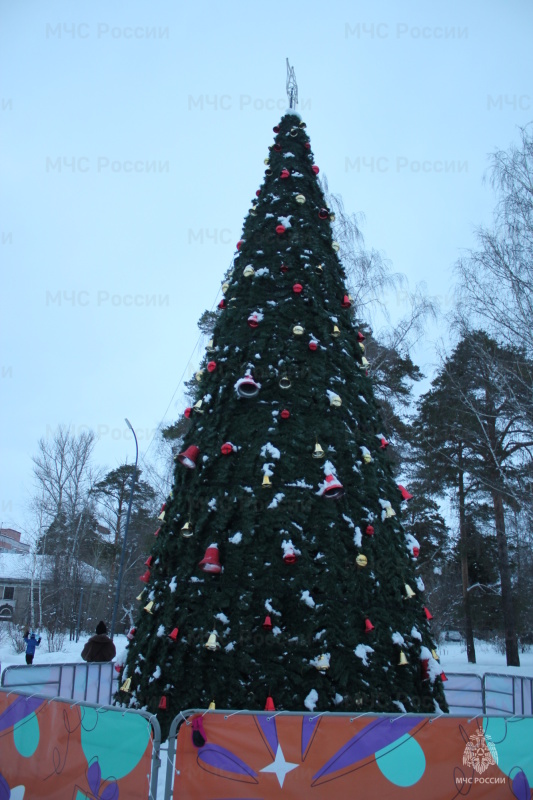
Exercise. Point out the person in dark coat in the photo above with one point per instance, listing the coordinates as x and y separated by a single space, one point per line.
99 647
31 642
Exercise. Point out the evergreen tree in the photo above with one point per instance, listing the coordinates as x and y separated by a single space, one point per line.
284 482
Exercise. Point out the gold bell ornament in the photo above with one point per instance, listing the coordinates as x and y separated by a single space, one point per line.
361 560
212 643
148 607
140 596
198 407
198 375
335 246
298 330
248 271
318 452
225 287
210 346
367 457
389 511
253 211
319 268
364 363
322 663
335 400
300 198
212 705
403 661
126 685
361 346
285 382
266 161
336 332
332 216
187 530
266 482
435 655
408 592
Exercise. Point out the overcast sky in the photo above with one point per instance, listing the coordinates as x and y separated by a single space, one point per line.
133 139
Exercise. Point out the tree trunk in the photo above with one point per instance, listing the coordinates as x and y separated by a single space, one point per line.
469 632
511 640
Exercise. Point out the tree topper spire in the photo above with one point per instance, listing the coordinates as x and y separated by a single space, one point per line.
292 87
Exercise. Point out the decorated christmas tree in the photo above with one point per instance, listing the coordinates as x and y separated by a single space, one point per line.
281 575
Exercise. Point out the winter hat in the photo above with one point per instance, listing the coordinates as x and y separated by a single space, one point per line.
101 628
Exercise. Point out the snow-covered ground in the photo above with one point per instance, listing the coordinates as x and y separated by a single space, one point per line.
452 656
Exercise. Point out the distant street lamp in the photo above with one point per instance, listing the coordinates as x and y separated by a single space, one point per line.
123 554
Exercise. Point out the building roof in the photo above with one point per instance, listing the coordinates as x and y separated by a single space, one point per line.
22 566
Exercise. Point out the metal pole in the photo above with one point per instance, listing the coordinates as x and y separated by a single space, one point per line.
123 554
79 616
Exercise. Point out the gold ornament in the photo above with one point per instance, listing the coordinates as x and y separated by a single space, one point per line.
148 607
364 363
300 198
319 268
298 330
210 348
322 664
198 407
294 131
332 216
198 375
266 161
435 655
187 530
212 643
126 685
318 452
335 401
266 482
336 246
403 661
361 345
285 382
367 457
248 272
408 592
212 705
140 596
390 512
225 287
336 332
253 211
361 560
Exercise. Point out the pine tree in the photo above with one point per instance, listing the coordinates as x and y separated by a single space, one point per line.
285 482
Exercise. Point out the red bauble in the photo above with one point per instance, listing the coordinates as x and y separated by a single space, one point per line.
416 552
307 145
323 213
276 128
369 530
239 244
280 229
285 173
284 268
258 193
315 169
226 449
297 288
277 148
211 367
285 414
313 345
188 411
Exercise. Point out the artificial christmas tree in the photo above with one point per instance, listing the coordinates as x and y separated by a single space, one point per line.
281 558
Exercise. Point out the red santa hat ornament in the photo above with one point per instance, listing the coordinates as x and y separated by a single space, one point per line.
333 488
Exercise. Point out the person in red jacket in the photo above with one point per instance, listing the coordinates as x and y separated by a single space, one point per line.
99 647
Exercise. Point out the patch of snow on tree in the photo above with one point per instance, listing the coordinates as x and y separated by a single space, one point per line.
236 538
338 699
161 630
420 584
269 448
416 634
307 599
229 647
285 221
212 505
400 706
156 675
222 617
397 638
173 584
362 651
276 499
271 609
311 700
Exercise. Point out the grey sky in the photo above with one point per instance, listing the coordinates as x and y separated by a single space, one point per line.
160 115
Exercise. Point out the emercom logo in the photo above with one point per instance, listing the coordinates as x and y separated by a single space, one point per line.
480 752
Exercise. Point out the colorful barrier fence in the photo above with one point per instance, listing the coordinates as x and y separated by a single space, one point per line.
58 750
268 756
